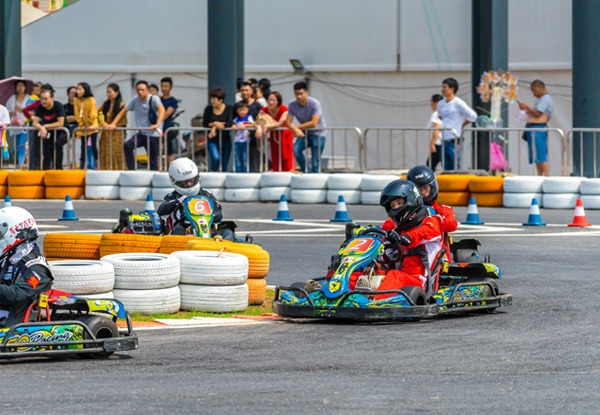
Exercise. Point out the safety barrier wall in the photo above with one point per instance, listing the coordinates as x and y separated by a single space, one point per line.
403 147
514 148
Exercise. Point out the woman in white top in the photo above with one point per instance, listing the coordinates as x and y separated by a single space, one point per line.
15 105
435 146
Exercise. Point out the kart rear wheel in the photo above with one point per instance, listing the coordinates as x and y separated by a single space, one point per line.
416 294
101 328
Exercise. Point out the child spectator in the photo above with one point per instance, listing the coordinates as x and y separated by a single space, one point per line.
242 136
153 89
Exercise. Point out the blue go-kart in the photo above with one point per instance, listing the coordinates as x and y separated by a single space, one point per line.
451 288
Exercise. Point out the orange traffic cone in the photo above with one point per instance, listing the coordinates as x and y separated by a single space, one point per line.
579 218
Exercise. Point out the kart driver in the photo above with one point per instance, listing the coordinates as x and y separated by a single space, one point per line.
185 178
418 232
25 274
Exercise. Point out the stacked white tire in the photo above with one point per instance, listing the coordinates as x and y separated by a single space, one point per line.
135 185
346 185
213 281
519 191
561 192
371 186
590 193
102 184
161 186
242 187
275 184
215 182
146 283
309 188
84 278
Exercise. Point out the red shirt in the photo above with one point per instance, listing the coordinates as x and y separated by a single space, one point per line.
31 107
282 109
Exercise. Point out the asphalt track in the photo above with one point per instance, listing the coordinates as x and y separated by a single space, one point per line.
538 356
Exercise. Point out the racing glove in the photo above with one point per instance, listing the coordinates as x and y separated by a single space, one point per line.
394 238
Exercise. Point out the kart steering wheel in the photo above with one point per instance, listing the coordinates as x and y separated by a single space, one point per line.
379 231
395 246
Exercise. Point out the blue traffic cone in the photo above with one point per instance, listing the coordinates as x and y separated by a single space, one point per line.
149 206
341 214
472 214
68 212
534 215
283 212
7 202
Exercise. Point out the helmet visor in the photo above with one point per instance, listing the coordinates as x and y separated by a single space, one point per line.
186 184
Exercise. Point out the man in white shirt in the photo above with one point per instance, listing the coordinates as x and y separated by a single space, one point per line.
455 114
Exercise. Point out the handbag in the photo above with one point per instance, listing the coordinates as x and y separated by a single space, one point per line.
497 159
263 119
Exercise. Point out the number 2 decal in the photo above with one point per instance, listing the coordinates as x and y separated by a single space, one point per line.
359 245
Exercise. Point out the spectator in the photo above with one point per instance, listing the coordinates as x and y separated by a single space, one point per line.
435 146
15 105
253 82
238 85
153 89
265 86
253 109
260 98
111 142
34 137
242 136
217 117
49 115
539 116
4 122
281 141
455 114
170 103
149 113
307 111
86 114
71 121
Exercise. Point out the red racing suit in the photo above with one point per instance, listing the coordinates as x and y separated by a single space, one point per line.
413 271
449 224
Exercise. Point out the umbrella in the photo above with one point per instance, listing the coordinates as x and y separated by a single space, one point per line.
7 87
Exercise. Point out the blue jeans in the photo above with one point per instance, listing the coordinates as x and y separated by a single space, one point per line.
314 141
215 152
21 144
151 145
241 157
449 155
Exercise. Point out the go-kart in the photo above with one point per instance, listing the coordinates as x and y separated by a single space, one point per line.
198 210
450 288
59 323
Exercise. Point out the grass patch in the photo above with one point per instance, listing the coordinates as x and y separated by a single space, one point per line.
252 310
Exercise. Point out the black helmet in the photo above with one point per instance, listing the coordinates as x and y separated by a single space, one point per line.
424 176
401 189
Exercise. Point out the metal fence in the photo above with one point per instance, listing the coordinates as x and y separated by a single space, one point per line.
338 151
575 139
403 147
513 146
34 152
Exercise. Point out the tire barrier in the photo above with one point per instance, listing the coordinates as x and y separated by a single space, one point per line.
257 291
258 258
489 199
118 243
135 185
163 301
60 183
486 184
83 276
251 194
521 200
61 246
173 243
144 271
212 267
454 198
214 298
351 197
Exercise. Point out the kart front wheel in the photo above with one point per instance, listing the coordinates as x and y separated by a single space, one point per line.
416 294
100 328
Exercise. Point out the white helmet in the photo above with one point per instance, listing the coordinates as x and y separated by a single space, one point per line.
11 220
184 176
